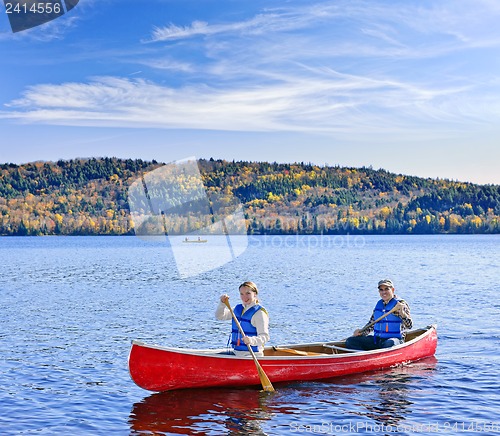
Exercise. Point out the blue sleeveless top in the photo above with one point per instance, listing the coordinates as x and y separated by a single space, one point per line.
390 326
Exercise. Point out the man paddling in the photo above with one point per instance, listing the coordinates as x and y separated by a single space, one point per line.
389 322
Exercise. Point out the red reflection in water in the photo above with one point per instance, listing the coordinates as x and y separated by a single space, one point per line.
191 411
243 411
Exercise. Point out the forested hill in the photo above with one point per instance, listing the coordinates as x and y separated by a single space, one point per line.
89 197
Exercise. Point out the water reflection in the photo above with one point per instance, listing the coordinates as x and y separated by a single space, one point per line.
202 411
391 406
372 400
391 403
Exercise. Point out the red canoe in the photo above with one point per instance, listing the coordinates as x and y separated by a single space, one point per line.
158 368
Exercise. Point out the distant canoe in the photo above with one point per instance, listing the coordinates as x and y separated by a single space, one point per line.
195 241
158 368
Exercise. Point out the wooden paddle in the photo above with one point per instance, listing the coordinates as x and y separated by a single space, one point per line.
264 380
298 352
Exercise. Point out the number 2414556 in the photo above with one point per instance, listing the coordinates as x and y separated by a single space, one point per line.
33 8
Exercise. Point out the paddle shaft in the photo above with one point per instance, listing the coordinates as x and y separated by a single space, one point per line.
366 327
266 383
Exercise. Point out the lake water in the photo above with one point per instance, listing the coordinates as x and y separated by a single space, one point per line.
71 305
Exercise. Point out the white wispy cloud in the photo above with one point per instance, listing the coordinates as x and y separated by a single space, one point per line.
327 104
259 24
176 32
168 64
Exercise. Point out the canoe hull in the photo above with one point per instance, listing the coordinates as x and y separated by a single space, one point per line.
160 369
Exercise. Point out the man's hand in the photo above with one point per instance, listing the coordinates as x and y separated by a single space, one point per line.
398 309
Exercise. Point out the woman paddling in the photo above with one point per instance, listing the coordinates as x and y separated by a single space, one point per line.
253 318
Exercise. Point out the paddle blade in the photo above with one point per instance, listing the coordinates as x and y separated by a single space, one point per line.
264 380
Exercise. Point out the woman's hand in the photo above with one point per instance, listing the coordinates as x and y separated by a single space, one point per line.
224 298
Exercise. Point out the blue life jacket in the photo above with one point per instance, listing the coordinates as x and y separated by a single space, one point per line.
245 322
390 326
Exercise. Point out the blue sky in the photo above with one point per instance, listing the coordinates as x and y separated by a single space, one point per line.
411 86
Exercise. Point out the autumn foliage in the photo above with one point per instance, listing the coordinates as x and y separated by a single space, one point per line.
89 197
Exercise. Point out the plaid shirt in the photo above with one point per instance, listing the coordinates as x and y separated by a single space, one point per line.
404 314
